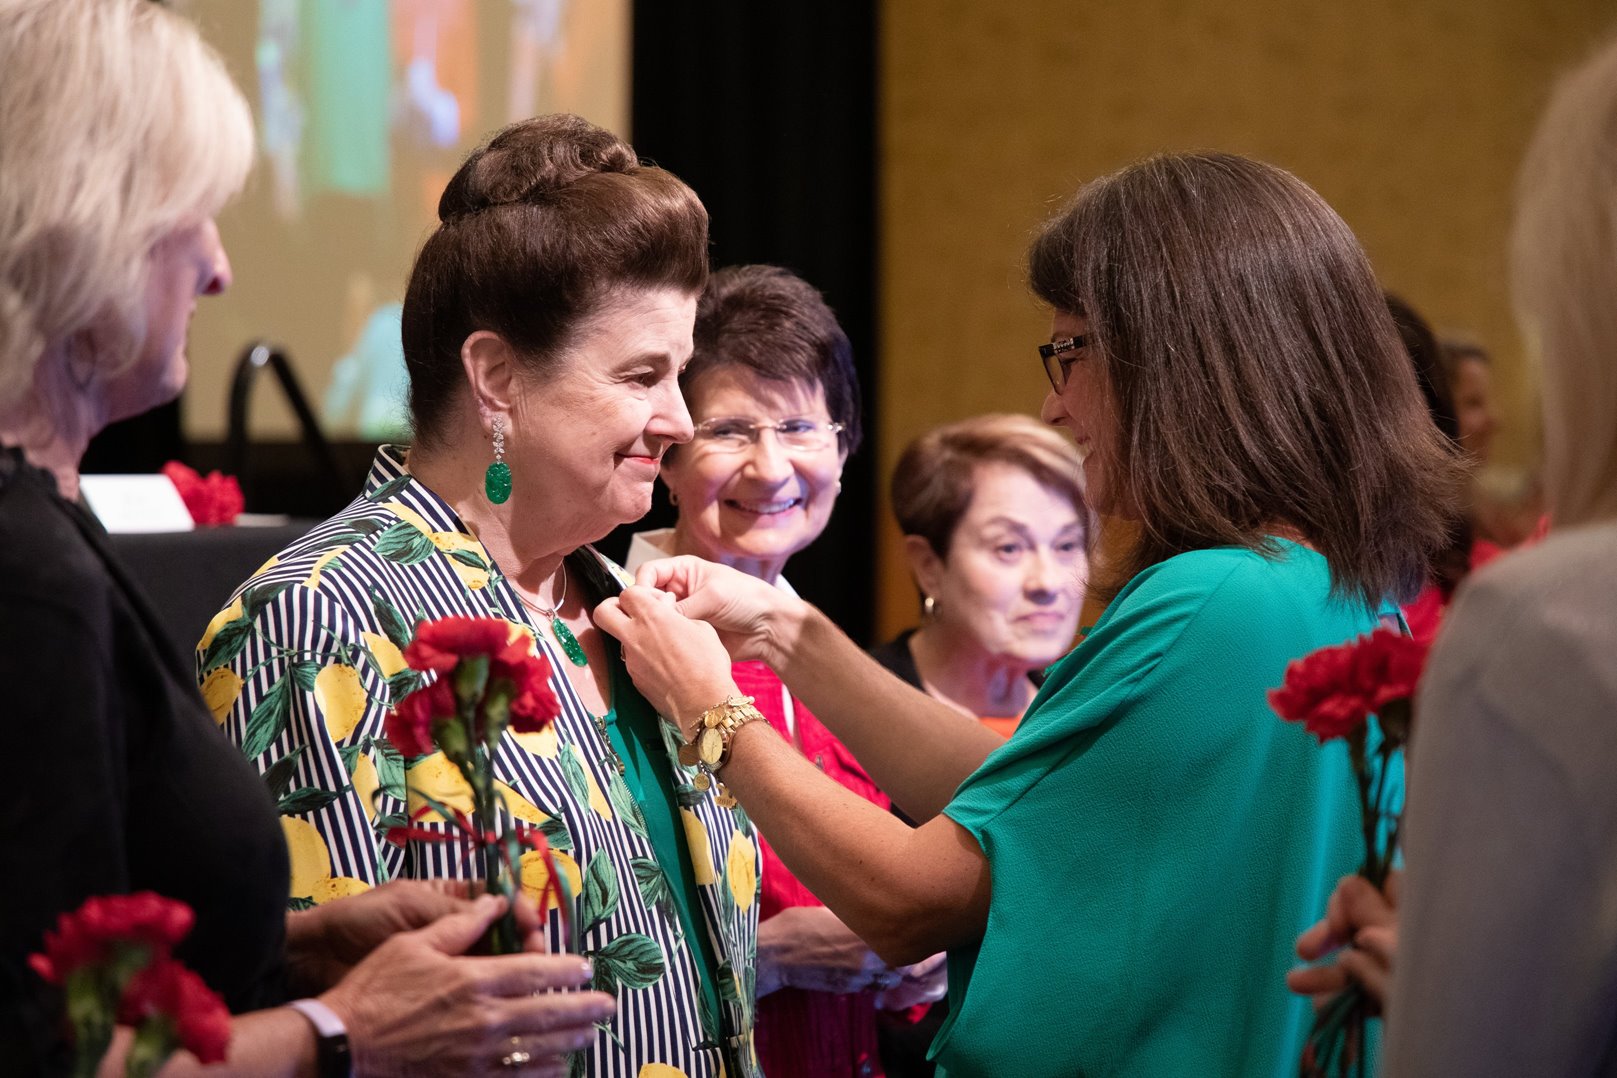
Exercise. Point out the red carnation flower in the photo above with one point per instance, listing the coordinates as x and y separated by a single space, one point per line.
409 723
167 989
534 706
1387 666
213 500
439 645
88 934
533 703
1321 693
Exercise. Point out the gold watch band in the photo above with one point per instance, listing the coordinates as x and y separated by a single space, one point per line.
716 730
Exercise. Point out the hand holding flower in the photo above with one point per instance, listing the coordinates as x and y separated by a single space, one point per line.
1365 922
1333 693
326 942
487 679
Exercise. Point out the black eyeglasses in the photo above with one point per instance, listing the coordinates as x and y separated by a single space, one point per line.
1057 362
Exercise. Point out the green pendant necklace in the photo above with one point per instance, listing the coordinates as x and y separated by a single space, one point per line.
564 636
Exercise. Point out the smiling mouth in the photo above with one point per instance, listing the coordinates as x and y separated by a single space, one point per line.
1044 621
764 509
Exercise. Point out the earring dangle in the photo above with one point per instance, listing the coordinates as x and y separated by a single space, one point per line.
929 608
497 480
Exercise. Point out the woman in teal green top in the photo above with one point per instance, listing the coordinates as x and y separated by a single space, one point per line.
1119 884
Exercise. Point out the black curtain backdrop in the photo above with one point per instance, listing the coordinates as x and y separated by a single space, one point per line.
768 111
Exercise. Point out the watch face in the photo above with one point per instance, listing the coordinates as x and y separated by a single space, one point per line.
710 746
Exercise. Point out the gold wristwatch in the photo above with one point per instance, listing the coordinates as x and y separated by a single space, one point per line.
717 730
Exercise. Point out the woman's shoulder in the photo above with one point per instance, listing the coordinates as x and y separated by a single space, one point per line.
1545 608
1224 586
1576 565
45 558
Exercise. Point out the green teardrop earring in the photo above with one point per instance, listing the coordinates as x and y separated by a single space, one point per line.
497 480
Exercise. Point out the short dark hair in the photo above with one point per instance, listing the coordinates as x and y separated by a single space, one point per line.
536 229
773 323
1427 357
1452 563
936 475
1256 375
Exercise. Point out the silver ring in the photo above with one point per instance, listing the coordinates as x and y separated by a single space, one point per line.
518 1058
887 978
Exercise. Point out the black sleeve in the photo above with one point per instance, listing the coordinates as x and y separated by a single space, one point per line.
62 805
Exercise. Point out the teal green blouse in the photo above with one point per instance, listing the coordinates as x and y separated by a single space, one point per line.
1158 836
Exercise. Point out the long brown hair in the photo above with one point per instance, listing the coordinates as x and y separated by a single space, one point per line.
1256 375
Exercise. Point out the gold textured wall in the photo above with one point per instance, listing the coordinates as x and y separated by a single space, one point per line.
1409 116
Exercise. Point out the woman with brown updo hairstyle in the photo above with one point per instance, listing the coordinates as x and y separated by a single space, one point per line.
545 326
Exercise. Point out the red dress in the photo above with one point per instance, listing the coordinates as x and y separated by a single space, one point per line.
802 1033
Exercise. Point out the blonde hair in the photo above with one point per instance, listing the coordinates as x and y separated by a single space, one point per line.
118 125
937 473
1564 277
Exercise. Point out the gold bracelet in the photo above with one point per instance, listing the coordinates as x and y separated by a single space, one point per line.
715 734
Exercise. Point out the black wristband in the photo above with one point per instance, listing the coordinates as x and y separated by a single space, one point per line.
332 1057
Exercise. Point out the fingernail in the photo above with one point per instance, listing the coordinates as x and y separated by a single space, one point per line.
586 969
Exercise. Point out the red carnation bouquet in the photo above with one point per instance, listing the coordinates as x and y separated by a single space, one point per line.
211 500
113 959
1334 692
488 681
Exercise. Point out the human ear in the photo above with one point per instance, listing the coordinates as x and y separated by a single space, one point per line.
491 372
925 565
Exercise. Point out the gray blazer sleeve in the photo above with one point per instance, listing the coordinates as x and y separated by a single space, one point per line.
1508 939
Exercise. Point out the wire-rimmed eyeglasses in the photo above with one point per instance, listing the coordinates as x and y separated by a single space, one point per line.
733 434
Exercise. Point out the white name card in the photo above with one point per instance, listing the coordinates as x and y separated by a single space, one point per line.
136 503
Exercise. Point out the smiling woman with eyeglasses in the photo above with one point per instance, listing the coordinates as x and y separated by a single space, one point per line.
772 390
1119 884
